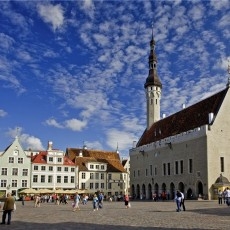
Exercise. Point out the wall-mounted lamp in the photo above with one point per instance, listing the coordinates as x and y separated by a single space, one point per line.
142 152
169 144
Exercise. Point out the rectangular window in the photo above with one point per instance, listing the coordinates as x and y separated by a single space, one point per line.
176 167
91 166
59 160
138 172
20 160
58 179
151 170
96 185
110 186
50 168
181 166
102 167
3 183
14 184
110 176
91 175
65 179
222 164
50 179
82 185
91 185
83 176
155 171
11 159
97 166
72 169
42 178
4 171
59 169
146 172
14 171
97 176
24 183
24 172
66 169
35 178
190 166
102 176
134 173
50 159
72 179
35 167
43 168
169 172
164 169
102 185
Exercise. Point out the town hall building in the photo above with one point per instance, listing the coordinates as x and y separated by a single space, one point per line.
188 150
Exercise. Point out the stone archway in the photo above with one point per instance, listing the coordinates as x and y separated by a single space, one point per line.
138 192
133 191
172 190
200 189
163 192
189 194
181 186
149 192
143 192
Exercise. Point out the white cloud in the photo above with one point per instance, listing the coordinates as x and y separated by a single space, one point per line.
123 139
53 14
2 113
75 124
26 140
54 123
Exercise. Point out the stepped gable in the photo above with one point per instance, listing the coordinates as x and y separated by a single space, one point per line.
112 159
187 119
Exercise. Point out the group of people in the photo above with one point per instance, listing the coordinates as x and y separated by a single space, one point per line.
224 196
97 201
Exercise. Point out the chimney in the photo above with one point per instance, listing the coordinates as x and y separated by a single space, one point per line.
210 118
164 115
183 106
80 153
50 145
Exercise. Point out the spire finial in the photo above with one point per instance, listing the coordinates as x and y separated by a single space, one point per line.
152 30
117 151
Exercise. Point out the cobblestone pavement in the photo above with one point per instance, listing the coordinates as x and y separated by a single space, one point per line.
114 216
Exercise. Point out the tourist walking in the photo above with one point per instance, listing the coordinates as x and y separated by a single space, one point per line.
178 200
182 201
8 207
220 197
100 200
77 199
126 199
95 202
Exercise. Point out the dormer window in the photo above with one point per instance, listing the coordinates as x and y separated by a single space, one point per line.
91 166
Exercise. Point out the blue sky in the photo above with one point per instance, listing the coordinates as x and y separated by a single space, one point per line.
73 72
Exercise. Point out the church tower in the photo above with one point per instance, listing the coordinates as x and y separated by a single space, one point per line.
153 88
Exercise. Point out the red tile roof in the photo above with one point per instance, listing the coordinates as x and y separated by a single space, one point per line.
112 159
41 158
187 119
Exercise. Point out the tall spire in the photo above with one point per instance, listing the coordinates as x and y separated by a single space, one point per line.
153 87
228 83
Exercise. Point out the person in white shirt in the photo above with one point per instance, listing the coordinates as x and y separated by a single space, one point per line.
227 195
178 200
182 201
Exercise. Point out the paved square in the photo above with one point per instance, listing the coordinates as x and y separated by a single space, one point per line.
114 216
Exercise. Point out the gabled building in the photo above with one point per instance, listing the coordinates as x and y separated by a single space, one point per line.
187 150
51 169
99 171
15 168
